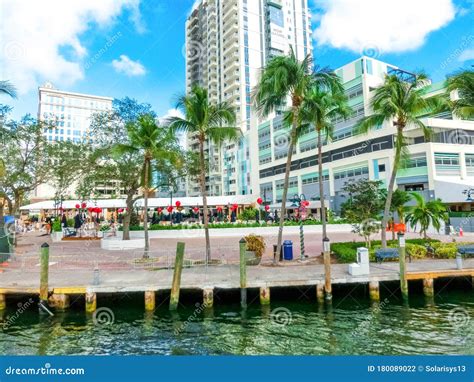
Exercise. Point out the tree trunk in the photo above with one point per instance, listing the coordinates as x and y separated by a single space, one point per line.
127 216
17 204
145 216
204 200
285 185
391 186
321 185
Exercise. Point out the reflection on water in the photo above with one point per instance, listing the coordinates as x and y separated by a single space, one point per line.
440 326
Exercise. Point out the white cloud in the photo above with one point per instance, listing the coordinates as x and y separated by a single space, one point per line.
466 55
129 67
35 32
383 25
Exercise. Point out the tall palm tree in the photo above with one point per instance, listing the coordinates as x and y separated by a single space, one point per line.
402 103
282 78
427 213
157 145
214 123
321 105
463 82
7 88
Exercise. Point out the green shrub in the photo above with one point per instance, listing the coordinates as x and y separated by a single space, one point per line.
57 226
445 250
416 251
248 214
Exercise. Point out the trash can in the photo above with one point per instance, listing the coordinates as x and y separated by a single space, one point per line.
458 260
288 250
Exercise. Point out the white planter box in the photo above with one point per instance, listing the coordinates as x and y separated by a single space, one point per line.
56 237
117 244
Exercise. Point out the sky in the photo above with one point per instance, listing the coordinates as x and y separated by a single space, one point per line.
135 48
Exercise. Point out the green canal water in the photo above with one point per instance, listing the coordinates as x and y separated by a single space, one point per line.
294 324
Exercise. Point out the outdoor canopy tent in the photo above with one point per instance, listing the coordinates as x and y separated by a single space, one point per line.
212 201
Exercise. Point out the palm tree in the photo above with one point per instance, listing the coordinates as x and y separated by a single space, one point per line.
427 213
7 88
463 83
286 77
321 105
212 123
156 144
402 103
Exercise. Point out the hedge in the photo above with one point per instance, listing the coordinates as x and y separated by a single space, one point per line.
347 252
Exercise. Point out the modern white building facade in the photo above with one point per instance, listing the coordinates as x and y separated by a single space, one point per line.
69 117
228 42
441 167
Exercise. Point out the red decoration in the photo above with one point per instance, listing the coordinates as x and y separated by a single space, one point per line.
219 209
178 204
99 210
196 209
78 206
267 208
83 205
259 200
169 209
234 207
120 210
160 210
305 203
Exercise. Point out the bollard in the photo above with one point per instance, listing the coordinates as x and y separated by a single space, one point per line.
208 297
265 296
403 271
243 273
149 300
459 260
327 268
44 262
428 287
91 301
320 293
178 268
374 291
3 302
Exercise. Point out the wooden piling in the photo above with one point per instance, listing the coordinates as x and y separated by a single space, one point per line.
320 293
149 300
265 296
374 291
178 268
3 302
243 273
44 273
327 268
59 301
428 287
403 270
208 297
91 301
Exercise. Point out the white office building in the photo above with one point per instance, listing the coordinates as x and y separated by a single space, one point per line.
227 44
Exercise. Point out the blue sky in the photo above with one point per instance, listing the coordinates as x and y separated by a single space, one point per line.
136 48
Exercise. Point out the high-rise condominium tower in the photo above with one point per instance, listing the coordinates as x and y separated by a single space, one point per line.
228 42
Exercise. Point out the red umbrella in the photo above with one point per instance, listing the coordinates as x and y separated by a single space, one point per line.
178 204
169 209
99 210
234 206
259 200
196 209
120 210
267 208
78 206
219 209
83 205
160 210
